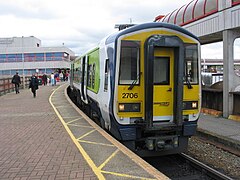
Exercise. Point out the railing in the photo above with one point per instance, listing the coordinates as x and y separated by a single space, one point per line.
213 99
6 85
236 103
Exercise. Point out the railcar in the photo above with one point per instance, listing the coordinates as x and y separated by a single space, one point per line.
143 86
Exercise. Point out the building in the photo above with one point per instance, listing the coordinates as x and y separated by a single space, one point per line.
27 56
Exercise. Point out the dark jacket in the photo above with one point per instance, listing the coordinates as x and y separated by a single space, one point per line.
33 82
44 78
16 79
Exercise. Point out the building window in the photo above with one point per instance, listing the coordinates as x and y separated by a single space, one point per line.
39 57
28 57
56 56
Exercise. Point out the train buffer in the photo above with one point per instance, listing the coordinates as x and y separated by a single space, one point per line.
47 138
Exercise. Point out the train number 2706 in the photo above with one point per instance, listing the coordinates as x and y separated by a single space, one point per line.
130 95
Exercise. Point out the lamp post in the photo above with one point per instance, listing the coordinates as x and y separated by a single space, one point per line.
23 64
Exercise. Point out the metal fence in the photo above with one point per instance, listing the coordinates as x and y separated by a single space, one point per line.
6 85
213 99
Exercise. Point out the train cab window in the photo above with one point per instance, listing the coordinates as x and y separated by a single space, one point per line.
129 62
191 63
161 71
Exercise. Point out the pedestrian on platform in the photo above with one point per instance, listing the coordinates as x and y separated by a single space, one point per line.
16 80
56 78
44 78
61 76
33 84
52 79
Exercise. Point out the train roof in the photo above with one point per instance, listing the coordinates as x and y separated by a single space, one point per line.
151 25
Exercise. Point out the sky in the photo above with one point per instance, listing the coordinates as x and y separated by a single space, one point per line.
80 25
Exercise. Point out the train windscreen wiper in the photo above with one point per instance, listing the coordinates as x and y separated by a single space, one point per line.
188 83
134 81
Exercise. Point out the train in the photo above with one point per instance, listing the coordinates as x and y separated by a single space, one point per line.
142 85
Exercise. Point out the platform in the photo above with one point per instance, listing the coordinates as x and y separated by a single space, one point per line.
223 130
48 138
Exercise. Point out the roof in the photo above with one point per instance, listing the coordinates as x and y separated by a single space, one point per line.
152 25
195 10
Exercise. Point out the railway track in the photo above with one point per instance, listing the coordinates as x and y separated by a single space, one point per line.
182 166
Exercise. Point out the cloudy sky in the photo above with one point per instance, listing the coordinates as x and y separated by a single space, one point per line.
80 24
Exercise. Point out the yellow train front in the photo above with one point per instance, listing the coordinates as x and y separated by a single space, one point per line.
155 95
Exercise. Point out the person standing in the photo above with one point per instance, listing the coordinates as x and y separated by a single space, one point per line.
44 78
16 80
33 84
52 79
61 76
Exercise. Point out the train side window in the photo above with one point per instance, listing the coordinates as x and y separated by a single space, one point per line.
89 75
129 62
191 63
93 75
106 75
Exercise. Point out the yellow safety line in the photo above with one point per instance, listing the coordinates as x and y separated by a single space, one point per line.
122 148
80 148
148 168
108 159
60 106
126 175
69 117
91 142
86 134
78 125
74 120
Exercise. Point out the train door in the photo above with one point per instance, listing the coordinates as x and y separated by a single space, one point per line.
84 79
163 64
163 76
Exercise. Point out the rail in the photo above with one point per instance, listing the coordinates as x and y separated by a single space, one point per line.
6 85
205 168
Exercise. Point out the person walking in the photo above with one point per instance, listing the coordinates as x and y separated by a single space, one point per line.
33 84
16 80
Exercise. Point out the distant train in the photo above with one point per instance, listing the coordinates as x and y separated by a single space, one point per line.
143 85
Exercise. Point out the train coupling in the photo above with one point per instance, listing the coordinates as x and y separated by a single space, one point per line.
160 143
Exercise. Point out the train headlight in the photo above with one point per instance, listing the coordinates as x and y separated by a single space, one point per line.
187 105
194 105
121 107
129 107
